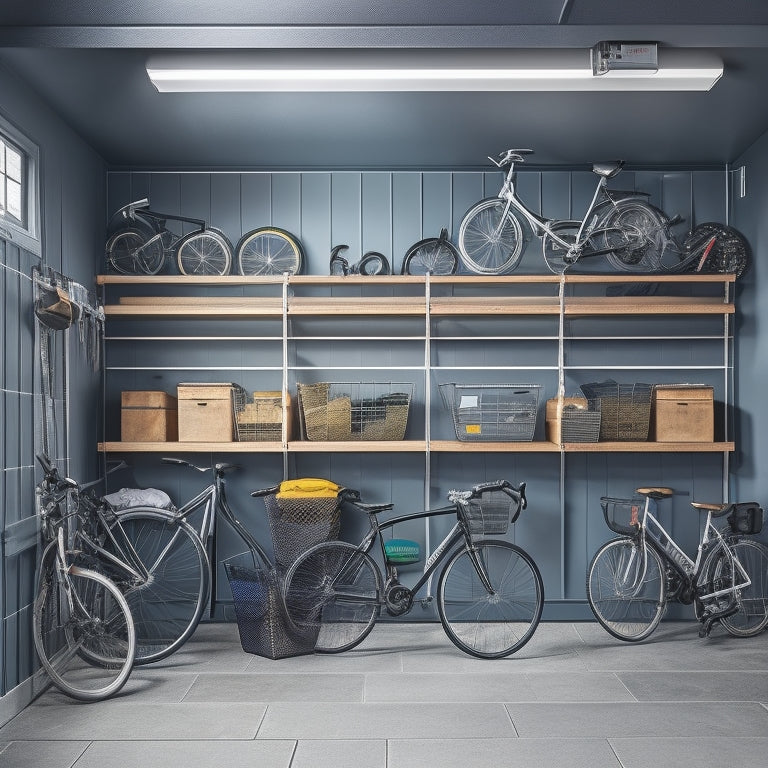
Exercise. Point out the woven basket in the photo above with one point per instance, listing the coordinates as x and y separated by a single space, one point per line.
625 409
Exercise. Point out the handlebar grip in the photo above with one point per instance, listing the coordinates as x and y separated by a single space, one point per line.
505 486
265 491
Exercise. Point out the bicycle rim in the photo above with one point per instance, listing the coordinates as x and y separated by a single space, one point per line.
204 253
374 263
728 254
128 253
752 616
269 251
634 232
490 625
167 607
487 244
87 650
626 591
433 256
335 590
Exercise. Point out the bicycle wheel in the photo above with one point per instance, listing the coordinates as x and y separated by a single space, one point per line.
752 616
269 251
554 252
490 625
83 632
333 589
434 255
728 253
204 252
167 606
489 242
626 591
633 234
374 263
130 252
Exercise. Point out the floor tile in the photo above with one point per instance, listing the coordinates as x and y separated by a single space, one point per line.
41 754
627 719
384 721
340 754
531 753
268 688
189 754
503 687
653 752
697 686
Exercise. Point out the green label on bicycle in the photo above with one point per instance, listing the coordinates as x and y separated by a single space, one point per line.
473 429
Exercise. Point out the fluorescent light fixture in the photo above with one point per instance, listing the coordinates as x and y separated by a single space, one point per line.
425 70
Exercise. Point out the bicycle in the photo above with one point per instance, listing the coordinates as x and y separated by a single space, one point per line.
371 263
433 255
140 243
82 626
632 234
490 593
631 579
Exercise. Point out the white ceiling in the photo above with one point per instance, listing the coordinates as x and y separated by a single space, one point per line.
87 60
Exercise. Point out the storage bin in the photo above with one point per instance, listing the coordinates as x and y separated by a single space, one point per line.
576 424
683 413
259 417
205 413
354 411
625 409
483 412
148 416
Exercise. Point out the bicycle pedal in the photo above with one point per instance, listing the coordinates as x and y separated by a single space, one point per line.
425 601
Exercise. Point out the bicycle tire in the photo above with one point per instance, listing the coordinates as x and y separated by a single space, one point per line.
87 651
490 626
729 253
168 606
373 263
129 252
433 255
627 599
204 252
487 245
342 614
633 237
269 251
554 253
752 616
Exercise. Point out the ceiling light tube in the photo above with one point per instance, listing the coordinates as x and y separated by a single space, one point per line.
395 70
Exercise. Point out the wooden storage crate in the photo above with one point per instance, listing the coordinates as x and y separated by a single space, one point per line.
205 413
148 416
683 413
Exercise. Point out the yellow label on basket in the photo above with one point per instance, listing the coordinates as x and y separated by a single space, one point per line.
473 429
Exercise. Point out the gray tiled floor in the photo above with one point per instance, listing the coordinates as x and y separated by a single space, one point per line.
407 698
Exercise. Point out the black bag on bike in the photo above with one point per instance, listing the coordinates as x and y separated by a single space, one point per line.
746 518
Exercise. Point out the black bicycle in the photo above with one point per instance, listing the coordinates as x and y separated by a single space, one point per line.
490 594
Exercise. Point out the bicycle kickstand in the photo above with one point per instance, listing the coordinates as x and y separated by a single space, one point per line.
710 618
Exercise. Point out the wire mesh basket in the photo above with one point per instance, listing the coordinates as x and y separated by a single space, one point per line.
623 515
625 409
491 514
354 411
258 417
486 412
573 420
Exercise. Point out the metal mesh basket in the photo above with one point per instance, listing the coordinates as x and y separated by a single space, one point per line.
261 620
491 514
623 515
625 409
258 417
485 412
299 523
354 411
580 425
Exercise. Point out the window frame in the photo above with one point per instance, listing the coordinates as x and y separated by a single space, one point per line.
27 234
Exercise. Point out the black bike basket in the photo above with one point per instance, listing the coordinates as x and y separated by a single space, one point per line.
623 515
746 518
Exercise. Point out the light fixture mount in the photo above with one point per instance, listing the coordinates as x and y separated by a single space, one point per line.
610 56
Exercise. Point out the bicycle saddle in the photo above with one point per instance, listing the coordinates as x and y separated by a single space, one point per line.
655 493
718 509
607 170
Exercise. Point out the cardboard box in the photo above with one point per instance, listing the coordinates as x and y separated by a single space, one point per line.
148 416
206 413
683 413
589 431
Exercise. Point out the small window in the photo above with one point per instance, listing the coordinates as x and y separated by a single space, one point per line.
19 194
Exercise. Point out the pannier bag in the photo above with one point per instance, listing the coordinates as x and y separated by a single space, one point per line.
746 518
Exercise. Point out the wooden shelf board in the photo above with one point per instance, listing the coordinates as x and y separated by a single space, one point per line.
494 305
459 446
648 447
179 447
357 446
358 305
188 279
646 305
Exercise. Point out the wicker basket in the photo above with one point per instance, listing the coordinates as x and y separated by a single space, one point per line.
625 409
485 412
259 417
354 411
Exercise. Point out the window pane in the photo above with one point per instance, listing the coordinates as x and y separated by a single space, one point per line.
14 199
13 165
2 156
2 194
